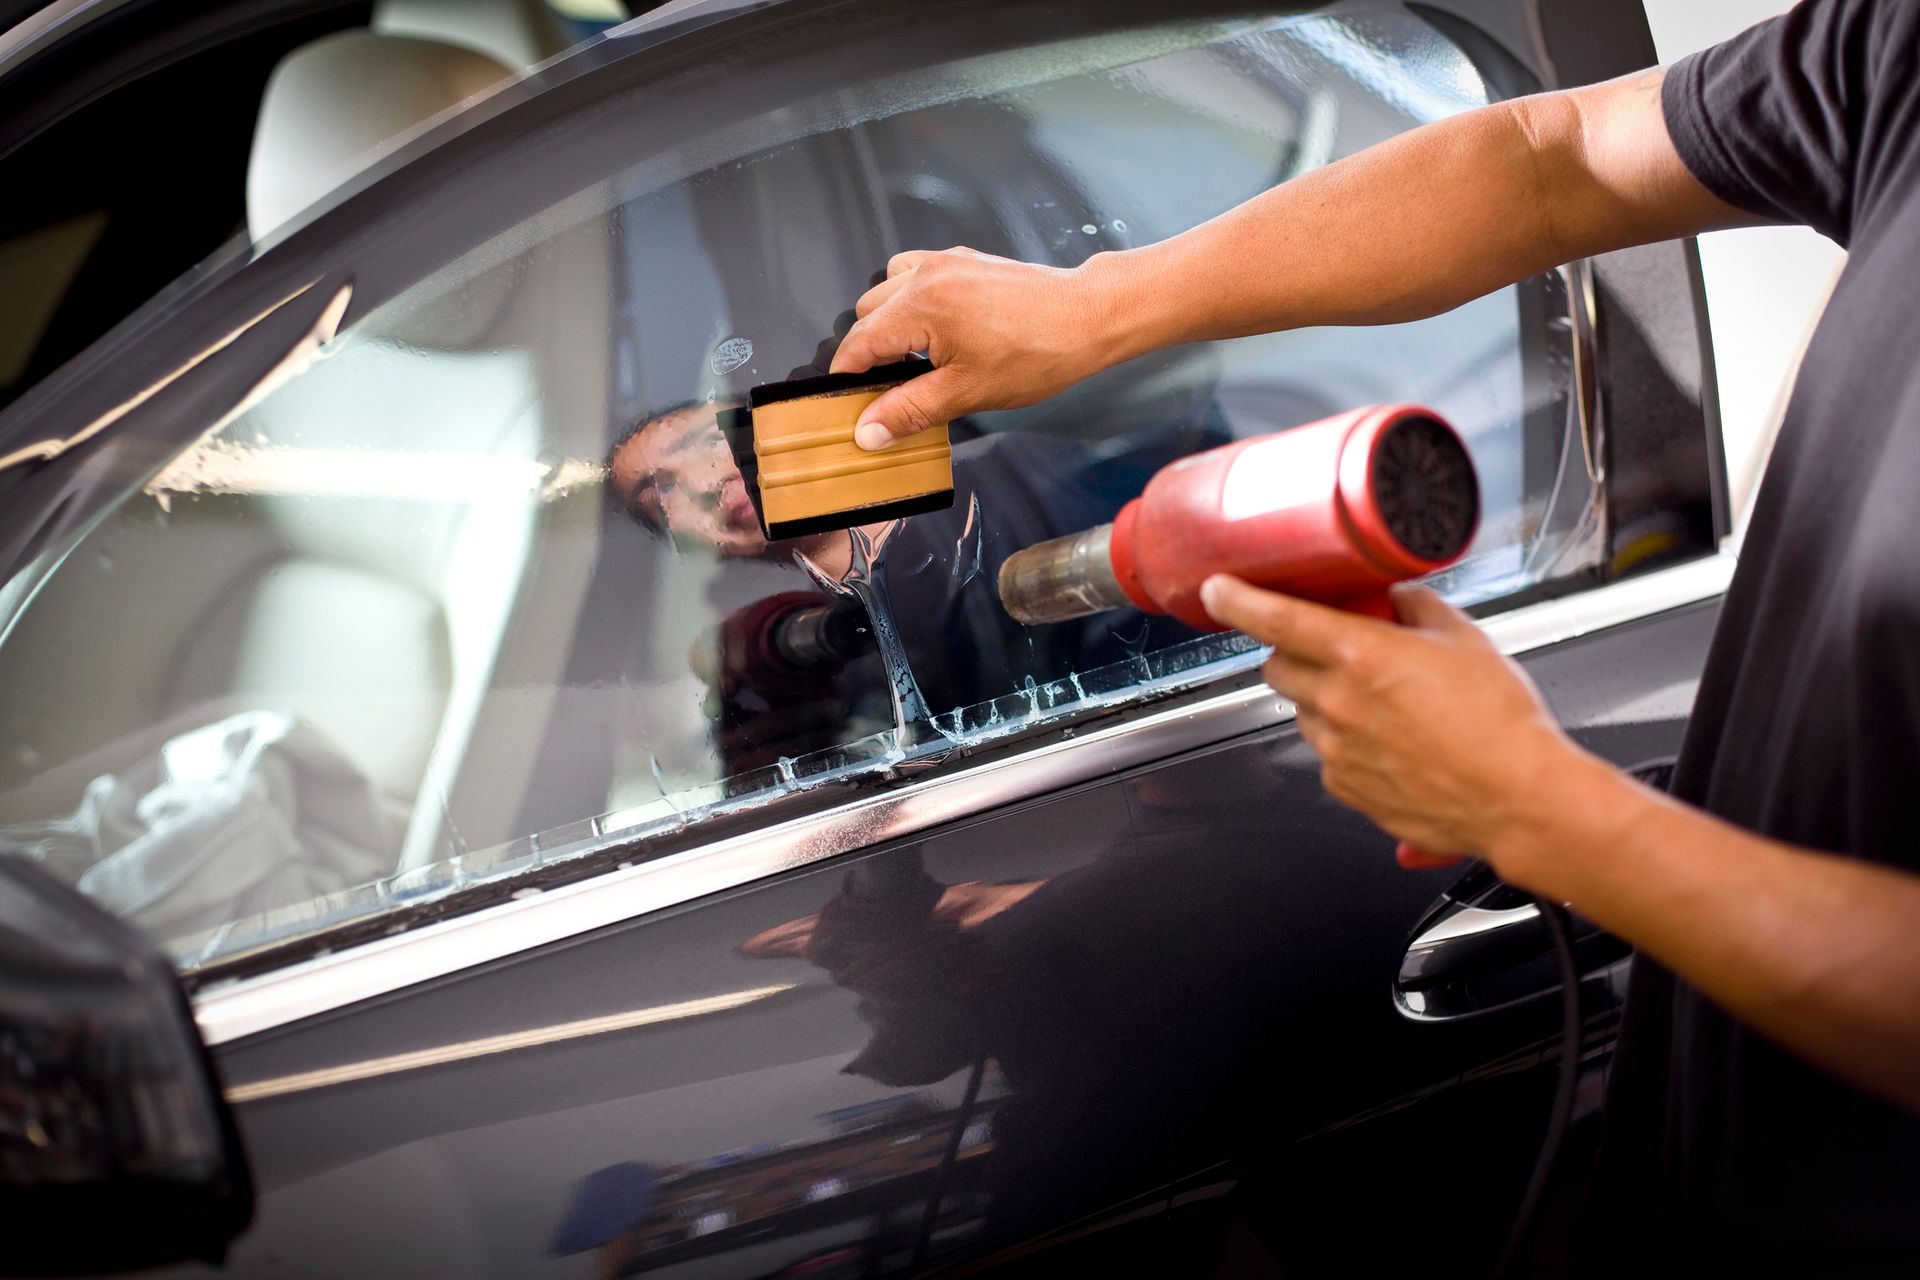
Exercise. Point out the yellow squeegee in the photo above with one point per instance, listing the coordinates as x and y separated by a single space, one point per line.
794 445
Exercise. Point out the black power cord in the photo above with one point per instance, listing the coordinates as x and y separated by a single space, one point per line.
1554 916
944 1177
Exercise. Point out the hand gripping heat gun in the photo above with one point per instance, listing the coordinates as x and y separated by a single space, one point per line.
1336 511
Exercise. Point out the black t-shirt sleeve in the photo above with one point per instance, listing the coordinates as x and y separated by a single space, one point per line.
1796 119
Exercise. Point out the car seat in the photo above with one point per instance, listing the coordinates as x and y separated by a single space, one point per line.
377 620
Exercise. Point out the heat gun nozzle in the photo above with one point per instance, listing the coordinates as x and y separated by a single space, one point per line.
1066 578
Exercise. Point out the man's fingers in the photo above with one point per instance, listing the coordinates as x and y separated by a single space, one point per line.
875 298
882 336
901 263
913 406
1292 679
1419 607
1299 629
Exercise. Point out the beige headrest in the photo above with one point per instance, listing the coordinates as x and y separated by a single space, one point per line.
333 107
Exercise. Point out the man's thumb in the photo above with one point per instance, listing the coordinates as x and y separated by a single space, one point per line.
913 406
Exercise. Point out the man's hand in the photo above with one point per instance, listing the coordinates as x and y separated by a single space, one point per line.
1002 334
1425 728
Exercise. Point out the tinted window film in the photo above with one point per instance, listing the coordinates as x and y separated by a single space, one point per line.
482 590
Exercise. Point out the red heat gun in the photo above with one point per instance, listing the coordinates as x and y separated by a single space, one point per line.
1336 511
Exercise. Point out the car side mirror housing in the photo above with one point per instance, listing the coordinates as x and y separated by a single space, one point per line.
117 1150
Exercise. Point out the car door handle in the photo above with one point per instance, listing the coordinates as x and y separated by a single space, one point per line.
1490 951
1470 942
1483 946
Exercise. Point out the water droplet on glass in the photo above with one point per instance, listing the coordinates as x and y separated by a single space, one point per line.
666 792
1119 225
967 548
1032 691
730 355
1073 678
1089 229
106 562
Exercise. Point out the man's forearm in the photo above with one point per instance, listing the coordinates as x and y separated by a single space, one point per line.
1408 228
1818 952
1420 223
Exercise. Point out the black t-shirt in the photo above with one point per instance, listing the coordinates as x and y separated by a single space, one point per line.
1725 1153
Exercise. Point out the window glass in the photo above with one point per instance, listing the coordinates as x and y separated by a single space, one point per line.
483 589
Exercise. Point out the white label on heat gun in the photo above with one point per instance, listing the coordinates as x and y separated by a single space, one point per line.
1286 471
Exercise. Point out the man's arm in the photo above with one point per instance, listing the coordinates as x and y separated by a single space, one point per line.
1430 732
1409 228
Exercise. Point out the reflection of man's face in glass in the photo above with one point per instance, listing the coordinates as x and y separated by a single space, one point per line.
677 474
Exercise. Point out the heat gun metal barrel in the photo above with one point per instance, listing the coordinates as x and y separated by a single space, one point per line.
1335 511
1068 577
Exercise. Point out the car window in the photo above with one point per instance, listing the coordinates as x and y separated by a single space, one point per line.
133 105
482 590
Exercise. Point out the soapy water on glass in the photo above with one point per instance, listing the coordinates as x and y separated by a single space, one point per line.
911 719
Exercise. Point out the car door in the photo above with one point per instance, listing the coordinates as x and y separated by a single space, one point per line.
380 634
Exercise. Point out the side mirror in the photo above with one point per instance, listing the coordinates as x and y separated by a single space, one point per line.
117 1150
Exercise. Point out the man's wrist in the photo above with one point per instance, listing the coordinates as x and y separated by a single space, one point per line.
1577 804
1130 312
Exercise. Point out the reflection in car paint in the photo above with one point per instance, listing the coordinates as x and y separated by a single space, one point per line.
466 1050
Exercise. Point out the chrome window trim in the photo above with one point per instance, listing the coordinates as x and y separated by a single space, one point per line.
46 25
248 1006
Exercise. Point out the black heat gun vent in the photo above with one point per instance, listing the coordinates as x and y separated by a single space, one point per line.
1424 485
